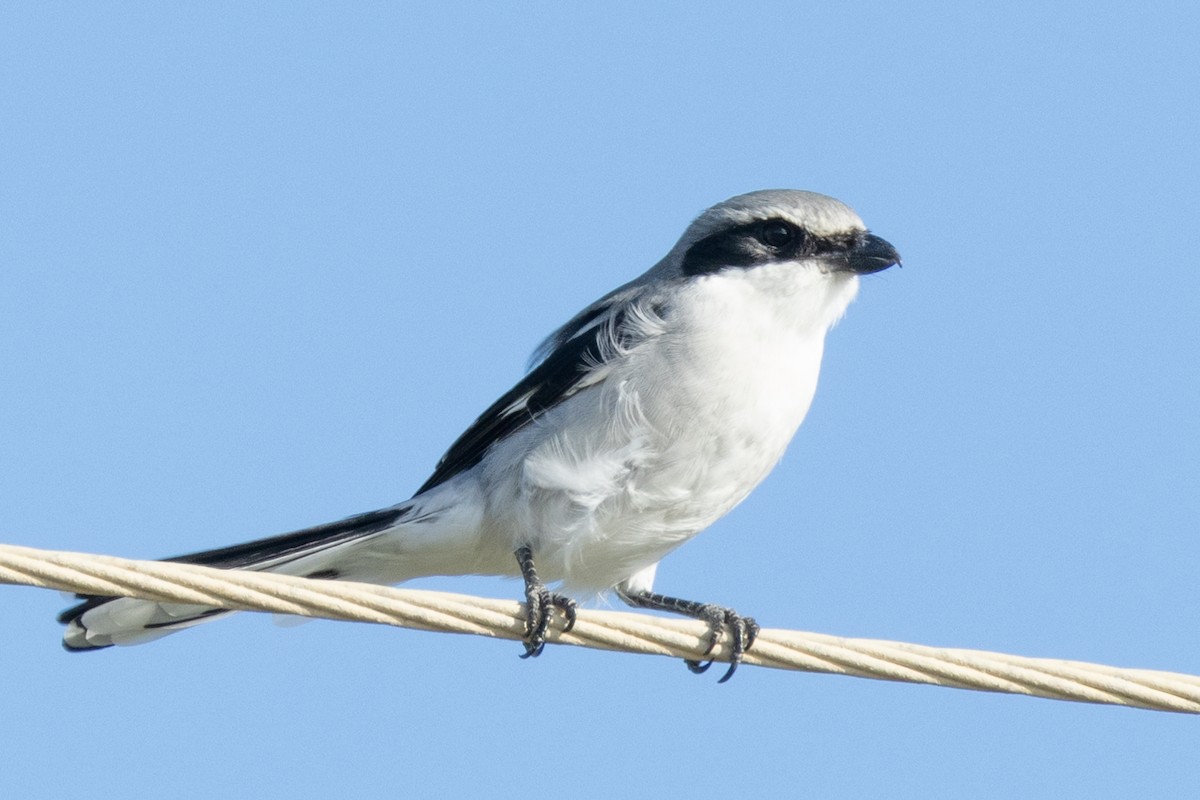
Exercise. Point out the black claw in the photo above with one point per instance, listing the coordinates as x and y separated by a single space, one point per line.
540 603
568 607
742 630
745 631
752 629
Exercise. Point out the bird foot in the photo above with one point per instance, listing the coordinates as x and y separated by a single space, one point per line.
540 603
743 630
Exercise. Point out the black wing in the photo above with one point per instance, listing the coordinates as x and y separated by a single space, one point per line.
567 369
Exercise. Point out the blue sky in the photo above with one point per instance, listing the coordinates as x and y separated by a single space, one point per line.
262 264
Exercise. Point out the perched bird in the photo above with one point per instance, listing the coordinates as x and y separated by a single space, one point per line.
643 420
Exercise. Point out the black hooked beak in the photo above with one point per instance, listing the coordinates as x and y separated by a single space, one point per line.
869 254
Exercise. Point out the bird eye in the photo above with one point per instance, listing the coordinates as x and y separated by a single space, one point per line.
776 234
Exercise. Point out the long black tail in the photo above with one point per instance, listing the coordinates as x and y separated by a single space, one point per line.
99 621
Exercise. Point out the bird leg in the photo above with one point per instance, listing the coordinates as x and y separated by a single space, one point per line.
540 603
744 630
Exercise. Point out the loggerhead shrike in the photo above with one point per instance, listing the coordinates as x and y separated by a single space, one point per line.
644 419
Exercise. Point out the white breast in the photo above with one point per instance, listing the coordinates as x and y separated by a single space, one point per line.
685 426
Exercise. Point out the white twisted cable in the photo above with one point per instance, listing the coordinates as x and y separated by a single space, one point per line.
608 630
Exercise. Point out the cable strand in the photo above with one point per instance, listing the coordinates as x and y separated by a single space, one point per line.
606 630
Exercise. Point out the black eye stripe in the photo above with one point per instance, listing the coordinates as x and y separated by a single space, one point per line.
761 243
